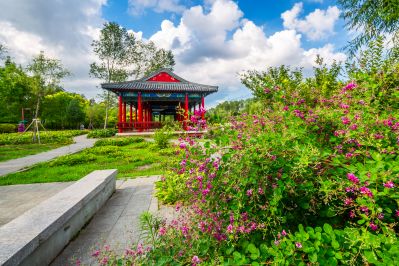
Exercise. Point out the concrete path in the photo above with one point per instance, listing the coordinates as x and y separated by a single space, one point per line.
116 224
17 199
81 142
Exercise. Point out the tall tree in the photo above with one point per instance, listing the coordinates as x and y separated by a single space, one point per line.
15 91
48 72
371 18
151 59
115 48
121 56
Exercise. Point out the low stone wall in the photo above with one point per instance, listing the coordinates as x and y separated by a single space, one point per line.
39 235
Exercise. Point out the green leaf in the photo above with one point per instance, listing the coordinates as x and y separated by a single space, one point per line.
236 255
252 249
335 244
361 221
207 144
328 229
338 255
370 256
313 257
229 250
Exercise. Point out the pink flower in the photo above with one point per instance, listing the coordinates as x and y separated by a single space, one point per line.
183 145
364 209
249 192
267 90
195 260
162 231
350 86
344 106
277 242
286 108
298 113
389 184
230 228
366 191
96 253
345 120
349 155
352 178
260 191
397 213
104 261
205 192
352 214
373 226
378 136
298 245
284 233
380 216
353 127
348 201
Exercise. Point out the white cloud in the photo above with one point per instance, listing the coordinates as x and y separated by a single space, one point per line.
212 43
316 25
204 53
138 7
62 29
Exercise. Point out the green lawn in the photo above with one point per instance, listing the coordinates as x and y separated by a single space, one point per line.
8 152
134 159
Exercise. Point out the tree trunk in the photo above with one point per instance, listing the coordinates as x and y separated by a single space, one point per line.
37 107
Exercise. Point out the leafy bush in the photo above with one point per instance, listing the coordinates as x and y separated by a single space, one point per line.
73 159
310 179
122 141
46 137
102 133
162 137
8 128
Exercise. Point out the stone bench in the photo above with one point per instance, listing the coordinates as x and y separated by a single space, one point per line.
39 235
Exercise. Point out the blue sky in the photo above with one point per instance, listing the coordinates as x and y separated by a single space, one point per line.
213 41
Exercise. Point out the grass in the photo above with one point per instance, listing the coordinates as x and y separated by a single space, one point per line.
8 152
138 158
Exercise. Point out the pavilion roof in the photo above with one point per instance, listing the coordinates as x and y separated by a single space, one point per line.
149 83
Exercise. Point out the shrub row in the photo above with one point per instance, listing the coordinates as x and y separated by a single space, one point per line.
46 137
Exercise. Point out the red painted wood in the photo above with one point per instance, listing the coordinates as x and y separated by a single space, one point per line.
124 112
131 113
163 77
140 108
120 113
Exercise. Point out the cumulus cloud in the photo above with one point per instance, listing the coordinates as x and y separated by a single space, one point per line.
316 25
212 44
62 29
137 7
215 47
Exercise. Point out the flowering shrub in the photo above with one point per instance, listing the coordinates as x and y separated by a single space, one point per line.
310 179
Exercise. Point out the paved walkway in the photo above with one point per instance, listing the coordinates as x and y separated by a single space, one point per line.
17 199
116 224
81 142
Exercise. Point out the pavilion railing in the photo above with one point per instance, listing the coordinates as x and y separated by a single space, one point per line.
139 125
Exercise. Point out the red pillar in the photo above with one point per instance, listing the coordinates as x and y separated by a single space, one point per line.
140 110
203 105
120 114
124 112
131 113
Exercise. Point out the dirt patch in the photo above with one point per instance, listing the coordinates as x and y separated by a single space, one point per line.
145 167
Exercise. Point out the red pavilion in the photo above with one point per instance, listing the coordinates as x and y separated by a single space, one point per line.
159 95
